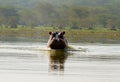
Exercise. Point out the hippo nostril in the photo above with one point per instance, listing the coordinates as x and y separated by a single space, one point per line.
57 40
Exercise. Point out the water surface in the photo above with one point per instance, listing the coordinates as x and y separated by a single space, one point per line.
28 62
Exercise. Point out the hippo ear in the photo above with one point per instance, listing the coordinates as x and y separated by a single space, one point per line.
63 32
50 33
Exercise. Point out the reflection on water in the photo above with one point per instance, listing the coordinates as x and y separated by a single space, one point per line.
100 63
57 60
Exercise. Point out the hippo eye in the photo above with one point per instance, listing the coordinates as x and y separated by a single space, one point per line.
54 34
60 35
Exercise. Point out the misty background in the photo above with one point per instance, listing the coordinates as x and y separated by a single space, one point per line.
75 14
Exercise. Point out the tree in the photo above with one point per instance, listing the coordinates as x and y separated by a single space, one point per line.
28 18
9 17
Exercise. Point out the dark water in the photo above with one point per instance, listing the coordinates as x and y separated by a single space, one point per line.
28 62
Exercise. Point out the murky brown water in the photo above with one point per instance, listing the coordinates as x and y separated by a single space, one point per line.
29 62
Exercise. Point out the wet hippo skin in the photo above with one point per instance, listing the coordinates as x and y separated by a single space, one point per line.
57 40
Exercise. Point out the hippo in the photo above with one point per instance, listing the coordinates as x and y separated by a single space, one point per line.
57 40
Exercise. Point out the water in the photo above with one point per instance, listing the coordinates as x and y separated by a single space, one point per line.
29 62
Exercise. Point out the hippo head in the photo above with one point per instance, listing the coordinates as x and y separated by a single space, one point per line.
57 40
57 35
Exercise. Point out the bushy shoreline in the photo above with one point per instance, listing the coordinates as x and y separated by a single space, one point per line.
41 35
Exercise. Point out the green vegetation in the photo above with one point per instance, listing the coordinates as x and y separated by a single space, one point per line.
75 14
41 35
84 20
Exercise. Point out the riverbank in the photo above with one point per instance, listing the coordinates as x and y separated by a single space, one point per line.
77 36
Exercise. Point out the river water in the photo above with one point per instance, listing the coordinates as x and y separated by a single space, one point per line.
33 62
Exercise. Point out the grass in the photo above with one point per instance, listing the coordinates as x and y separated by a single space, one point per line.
38 34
